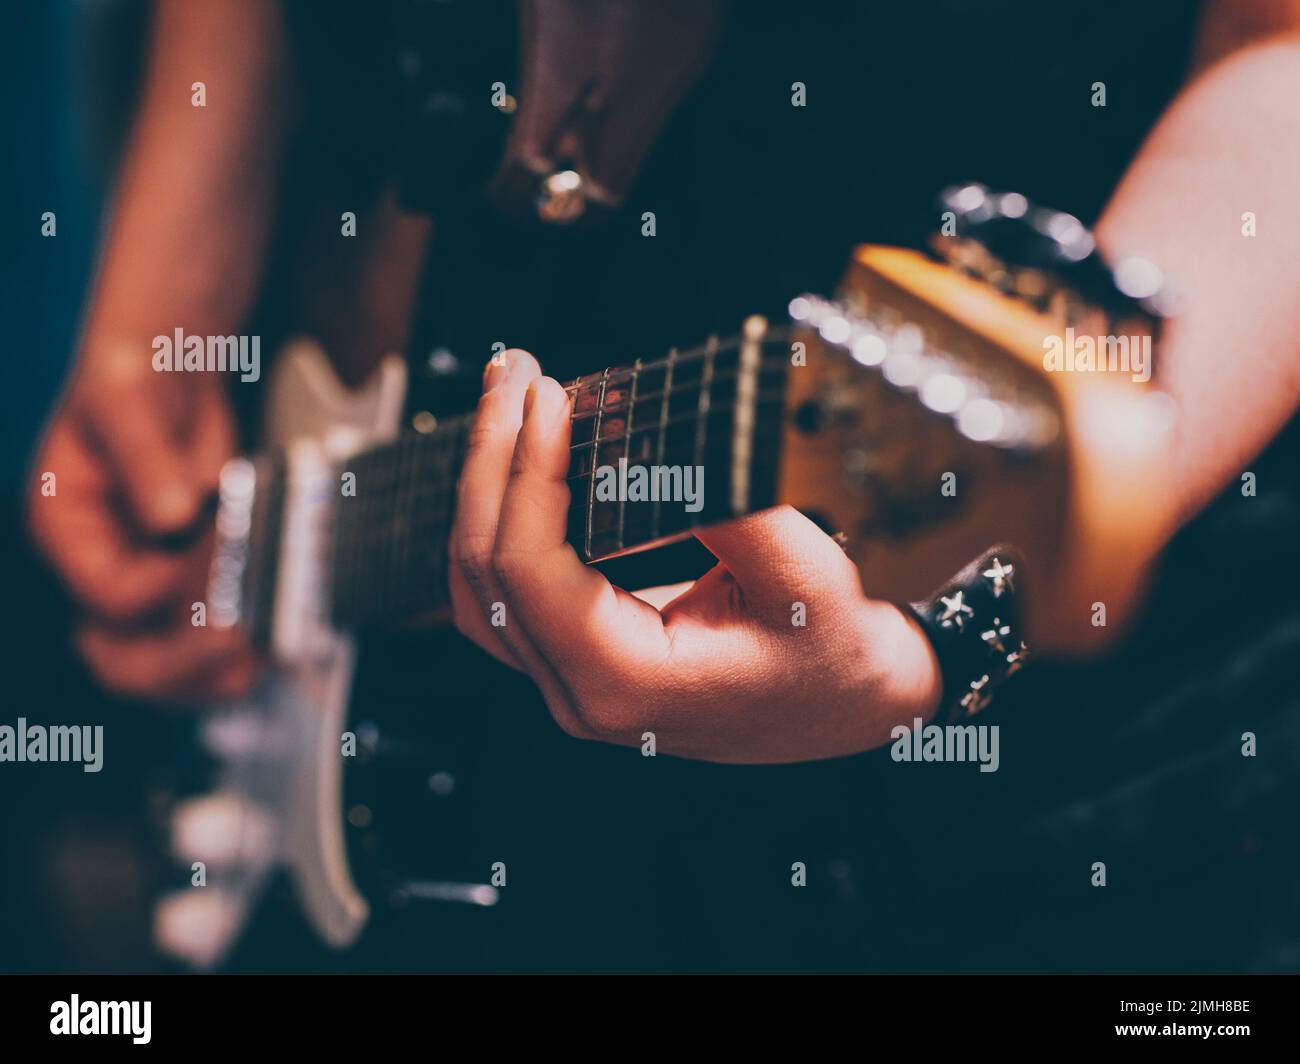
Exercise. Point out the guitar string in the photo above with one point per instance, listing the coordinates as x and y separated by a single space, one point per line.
360 536
388 482
368 537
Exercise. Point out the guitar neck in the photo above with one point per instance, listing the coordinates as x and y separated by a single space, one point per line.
658 448
916 379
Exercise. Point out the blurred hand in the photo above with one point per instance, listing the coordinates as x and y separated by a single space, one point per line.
720 673
136 455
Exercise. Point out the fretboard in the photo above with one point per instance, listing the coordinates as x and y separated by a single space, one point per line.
658 448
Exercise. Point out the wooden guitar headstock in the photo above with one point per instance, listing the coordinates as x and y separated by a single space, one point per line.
924 425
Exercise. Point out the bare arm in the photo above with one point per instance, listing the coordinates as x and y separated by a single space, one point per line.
195 192
1229 144
135 452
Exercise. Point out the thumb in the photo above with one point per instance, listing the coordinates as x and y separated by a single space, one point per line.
779 556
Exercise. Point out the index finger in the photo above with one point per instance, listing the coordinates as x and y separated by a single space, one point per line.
582 624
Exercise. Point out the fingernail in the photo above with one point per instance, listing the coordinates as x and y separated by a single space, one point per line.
545 399
494 372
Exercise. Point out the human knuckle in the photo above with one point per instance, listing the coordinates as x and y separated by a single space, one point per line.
602 717
508 563
486 429
474 553
121 603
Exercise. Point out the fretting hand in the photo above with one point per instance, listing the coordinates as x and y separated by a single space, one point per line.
721 672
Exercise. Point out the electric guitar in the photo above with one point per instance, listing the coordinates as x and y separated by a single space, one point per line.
911 415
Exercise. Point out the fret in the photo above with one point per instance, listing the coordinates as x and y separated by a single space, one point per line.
652 382
400 536
742 445
641 446
447 457
706 379
591 490
715 407
656 512
582 429
627 451
586 395
688 367
684 400
445 465
637 445
387 555
685 432
651 388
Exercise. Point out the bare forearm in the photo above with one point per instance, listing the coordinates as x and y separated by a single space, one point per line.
197 182
1230 144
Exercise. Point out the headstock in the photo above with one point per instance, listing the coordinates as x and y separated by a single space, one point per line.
926 428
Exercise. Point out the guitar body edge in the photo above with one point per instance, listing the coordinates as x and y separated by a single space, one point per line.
279 800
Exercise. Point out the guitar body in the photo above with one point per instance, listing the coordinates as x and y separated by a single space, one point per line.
278 801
